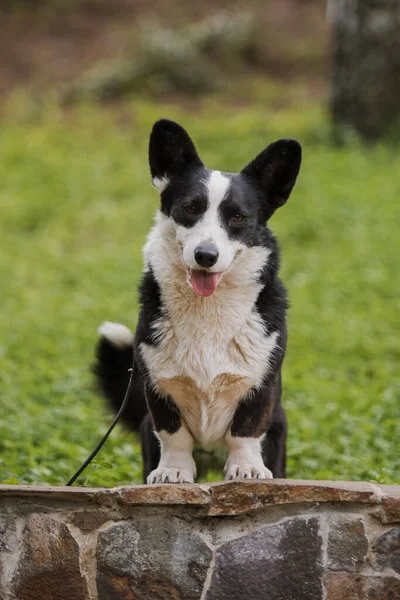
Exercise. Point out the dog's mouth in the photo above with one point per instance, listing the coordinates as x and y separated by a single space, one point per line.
203 283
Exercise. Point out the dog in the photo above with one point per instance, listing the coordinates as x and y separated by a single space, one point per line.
211 334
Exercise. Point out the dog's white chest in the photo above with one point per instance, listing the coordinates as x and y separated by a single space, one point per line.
207 360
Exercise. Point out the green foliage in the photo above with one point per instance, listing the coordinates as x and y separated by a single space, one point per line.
75 206
170 60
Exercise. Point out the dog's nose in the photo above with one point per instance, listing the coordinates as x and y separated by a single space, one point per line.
206 255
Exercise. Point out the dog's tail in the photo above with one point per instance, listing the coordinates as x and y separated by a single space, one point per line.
114 359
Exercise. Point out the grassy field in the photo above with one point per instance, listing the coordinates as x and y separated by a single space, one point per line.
75 205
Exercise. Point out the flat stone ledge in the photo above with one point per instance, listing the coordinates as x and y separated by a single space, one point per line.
219 499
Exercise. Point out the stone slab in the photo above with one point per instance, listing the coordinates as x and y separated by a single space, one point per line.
232 498
48 568
350 586
151 559
347 544
279 562
386 551
227 498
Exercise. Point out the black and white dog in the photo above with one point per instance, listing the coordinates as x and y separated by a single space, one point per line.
211 335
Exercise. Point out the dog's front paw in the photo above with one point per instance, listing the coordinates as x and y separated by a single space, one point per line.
170 475
247 472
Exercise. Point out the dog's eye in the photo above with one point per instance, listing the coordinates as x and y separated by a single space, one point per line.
190 209
238 218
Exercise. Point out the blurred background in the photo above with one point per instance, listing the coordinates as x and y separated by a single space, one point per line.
81 83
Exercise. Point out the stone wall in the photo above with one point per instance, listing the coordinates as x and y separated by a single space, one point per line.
278 540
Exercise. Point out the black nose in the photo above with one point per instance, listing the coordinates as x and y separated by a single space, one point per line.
206 255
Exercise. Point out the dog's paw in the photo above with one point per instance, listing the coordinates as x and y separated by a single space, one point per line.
247 472
170 475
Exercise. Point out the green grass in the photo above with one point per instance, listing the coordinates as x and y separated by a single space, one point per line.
75 205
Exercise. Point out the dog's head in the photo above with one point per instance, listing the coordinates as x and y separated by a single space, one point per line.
217 216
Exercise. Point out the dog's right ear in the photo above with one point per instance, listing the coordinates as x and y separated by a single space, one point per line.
274 171
171 153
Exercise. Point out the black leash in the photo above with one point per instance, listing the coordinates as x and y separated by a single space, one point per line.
104 438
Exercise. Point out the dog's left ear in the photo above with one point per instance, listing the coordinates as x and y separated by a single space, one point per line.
274 171
171 153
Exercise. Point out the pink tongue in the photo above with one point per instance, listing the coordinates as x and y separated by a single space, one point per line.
204 283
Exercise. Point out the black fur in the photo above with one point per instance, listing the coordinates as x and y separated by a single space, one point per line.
274 172
112 370
164 411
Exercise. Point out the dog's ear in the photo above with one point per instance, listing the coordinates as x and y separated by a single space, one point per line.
274 172
171 152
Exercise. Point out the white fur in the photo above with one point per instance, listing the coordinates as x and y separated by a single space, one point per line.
245 460
160 183
176 463
119 335
218 345
209 228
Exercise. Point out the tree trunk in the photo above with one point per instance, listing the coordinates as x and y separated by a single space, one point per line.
366 67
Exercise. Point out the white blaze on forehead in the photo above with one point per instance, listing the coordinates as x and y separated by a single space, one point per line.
217 187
